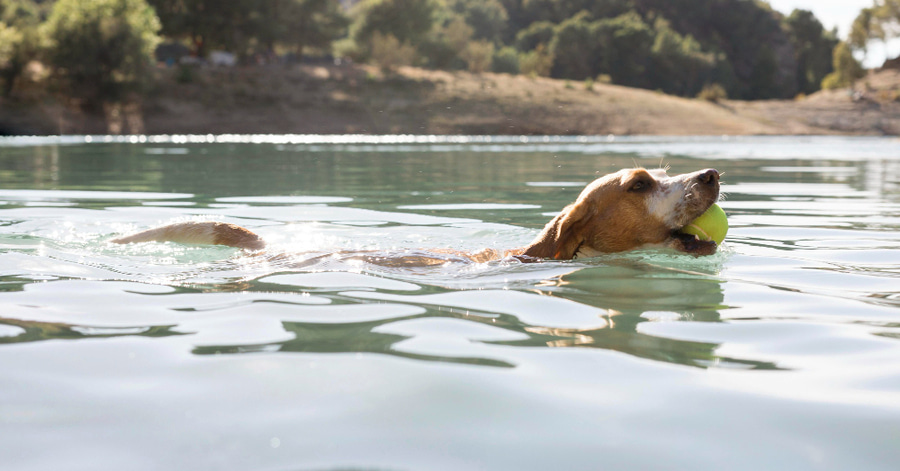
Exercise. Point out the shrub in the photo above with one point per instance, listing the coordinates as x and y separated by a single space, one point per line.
478 55
388 53
101 51
506 61
846 69
536 62
713 93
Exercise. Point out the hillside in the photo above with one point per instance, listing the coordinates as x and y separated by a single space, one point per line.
359 99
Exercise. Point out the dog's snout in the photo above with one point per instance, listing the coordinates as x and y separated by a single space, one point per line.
709 177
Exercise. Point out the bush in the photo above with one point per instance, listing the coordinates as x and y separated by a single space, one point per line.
537 62
388 53
101 51
478 55
506 61
713 93
846 69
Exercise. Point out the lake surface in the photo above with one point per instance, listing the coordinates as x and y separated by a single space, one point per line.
782 351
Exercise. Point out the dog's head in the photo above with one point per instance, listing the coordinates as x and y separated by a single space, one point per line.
629 209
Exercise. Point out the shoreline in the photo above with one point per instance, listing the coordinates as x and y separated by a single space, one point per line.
353 99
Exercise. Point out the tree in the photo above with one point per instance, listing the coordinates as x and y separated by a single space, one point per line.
389 54
407 20
846 69
678 63
536 34
575 48
879 22
101 51
207 24
813 48
295 24
488 18
19 40
314 23
479 55
625 42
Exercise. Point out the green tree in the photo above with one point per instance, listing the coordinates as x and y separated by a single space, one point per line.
19 40
678 63
538 62
443 47
207 24
479 55
625 43
101 51
295 24
506 61
488 18
389 54
879 22
846 69
813 48
575 48
536 34
407 20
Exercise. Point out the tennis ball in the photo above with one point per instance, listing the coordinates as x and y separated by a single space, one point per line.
711 225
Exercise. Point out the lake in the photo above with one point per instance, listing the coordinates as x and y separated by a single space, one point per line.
781 351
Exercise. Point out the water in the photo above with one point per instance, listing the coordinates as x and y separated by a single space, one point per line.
782 351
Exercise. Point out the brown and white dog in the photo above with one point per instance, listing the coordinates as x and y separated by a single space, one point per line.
626 210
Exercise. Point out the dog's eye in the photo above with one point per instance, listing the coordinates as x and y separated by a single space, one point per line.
639 185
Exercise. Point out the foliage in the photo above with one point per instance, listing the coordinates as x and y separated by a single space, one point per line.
678 63
506 61
488 18
101 50
813 47
443 47
479 56
879 22
537 62
409 21
388 53
713 92
247 26
19 39
846 69
536 34
576 47
675 46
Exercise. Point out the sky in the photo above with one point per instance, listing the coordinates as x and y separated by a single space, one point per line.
841 13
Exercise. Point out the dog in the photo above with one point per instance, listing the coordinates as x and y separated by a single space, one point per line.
626 210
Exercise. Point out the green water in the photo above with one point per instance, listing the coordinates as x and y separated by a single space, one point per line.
782 351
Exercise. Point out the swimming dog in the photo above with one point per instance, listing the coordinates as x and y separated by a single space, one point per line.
626 210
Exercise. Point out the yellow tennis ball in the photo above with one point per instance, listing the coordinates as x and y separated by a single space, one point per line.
711 225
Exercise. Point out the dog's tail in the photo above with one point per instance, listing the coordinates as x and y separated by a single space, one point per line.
200 233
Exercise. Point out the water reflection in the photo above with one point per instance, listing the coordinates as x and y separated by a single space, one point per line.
22 331
622 294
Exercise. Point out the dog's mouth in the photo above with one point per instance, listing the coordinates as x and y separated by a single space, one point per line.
689 243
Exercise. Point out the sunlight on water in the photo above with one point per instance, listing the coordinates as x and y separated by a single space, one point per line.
351 343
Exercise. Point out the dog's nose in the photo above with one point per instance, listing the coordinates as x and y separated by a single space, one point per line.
709 177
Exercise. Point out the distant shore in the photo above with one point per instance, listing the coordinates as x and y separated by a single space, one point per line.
316 99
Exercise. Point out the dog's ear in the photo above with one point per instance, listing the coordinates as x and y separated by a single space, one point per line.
563 235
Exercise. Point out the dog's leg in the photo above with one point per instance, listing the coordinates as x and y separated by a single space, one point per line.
200 233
